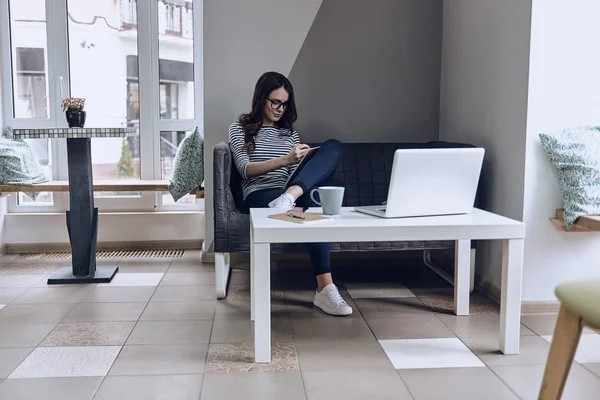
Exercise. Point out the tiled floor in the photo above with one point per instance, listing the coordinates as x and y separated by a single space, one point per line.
157 332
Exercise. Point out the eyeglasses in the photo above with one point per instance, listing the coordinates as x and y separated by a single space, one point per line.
276 104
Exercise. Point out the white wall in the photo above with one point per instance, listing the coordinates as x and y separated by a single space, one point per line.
483 101
236 53
564 91
3 200
3 206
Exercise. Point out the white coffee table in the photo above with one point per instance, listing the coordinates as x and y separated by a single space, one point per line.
351 226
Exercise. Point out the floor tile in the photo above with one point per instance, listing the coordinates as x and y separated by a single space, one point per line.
242 330
170 332
594 368
44 284
227 358
478 304
429 353
188 278
427 292
364 290
239 277
355 385
533 350
29 269
68 294
53 362
341 355
477 325
21 313
20 281
105 312
134 279
264 386
130 267
409 327
108 294
236 307
330 328
24 334
9 294
2 306
242 293
184 293
540 324
545 324
526 380
179 265
588 349
146 261
89 334
8 258
10 358
50 388
391 307
160 359
179 310
455 384
156 387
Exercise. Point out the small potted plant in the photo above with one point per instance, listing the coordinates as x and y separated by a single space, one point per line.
73 108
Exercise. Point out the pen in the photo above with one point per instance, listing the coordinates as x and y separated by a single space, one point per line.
295 215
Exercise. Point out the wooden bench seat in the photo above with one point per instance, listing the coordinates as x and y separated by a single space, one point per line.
99 186
589 223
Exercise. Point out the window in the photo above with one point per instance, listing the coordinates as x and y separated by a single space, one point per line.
81 48
30 86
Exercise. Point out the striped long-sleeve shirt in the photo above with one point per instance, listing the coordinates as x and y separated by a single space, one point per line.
271 142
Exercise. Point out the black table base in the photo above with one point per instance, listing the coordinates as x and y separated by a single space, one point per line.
82 220
64 275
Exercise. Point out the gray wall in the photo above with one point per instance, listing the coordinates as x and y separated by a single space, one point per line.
485 74
243 39
370 71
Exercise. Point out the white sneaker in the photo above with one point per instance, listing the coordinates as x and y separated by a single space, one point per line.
284 202
330 301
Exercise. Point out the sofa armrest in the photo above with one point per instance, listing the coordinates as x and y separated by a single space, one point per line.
223 201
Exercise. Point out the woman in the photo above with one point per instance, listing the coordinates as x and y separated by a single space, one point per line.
267 150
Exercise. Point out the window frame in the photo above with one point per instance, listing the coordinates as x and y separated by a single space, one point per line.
58 81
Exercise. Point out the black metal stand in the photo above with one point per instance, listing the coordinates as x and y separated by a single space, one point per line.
82 221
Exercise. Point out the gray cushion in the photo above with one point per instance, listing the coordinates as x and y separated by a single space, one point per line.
188 169
18 163
576 155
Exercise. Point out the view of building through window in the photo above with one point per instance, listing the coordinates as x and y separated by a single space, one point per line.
104 68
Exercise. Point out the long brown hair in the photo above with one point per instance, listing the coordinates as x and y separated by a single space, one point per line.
252 121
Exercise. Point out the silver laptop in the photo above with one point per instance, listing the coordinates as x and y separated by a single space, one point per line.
427 182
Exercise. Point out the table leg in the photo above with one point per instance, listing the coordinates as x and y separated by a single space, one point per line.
510 302
82 220
261 289
462 276
252 288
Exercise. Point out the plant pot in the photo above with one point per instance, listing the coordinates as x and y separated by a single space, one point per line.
75 117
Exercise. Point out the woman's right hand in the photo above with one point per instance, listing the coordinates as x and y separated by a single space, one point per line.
297 154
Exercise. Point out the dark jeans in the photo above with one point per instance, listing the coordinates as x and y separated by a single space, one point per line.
314 173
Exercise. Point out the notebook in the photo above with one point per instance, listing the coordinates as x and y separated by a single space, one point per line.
298 217
309 154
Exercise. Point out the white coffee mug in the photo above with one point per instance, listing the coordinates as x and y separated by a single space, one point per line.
331 197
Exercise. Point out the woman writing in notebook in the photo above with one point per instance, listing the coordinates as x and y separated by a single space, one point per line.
266 150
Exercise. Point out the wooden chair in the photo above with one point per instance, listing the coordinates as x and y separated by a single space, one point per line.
580 306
